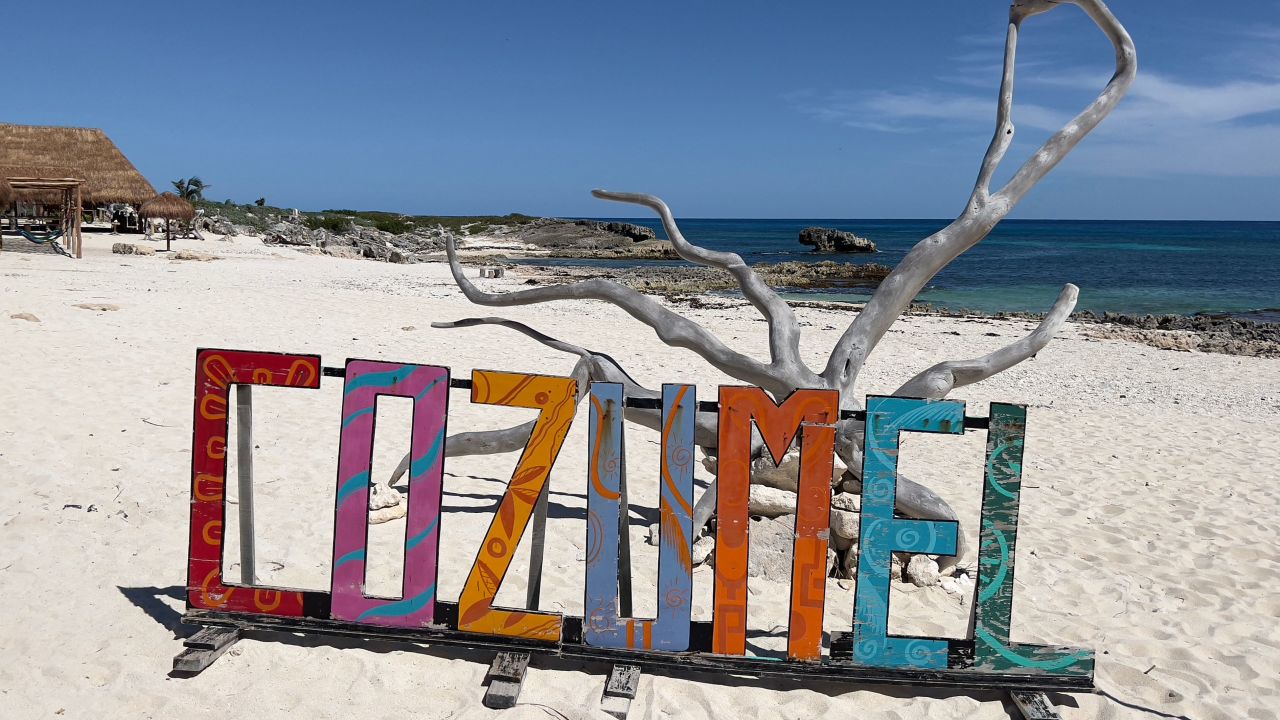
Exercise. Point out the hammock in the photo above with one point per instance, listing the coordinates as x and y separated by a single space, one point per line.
40 238
47 237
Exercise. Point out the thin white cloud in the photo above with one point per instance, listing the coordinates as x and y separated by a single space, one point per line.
919 110
1168 126
1163 126
1268 33
1162 100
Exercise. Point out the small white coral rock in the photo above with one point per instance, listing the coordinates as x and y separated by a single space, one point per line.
770 502
922 571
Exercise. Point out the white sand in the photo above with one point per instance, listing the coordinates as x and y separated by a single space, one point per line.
1149 517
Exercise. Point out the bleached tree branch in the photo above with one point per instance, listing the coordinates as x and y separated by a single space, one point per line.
944 377
933 253
1003 136
784 331
1064 141
786 372
673 329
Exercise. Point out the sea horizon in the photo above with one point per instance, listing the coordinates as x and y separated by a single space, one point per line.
1138 267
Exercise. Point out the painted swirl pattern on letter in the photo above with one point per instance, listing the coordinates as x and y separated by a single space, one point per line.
428 386
881 533
601 625
216 372
993 605
778 425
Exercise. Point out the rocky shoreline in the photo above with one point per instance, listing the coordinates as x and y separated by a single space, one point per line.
681 281
546 238
1212 333
688 285
587 240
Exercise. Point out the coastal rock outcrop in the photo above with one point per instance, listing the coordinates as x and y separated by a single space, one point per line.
685 280
593 239
547 237
831 240
288 234
222 226
359 241
1217 333
638 233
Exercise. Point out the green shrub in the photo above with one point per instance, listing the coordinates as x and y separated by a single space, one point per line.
328 222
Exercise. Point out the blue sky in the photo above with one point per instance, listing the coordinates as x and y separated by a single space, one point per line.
745 109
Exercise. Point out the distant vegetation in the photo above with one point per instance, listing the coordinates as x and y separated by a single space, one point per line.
397 223
262 216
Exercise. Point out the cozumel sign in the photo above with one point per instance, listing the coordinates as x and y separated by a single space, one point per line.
867 653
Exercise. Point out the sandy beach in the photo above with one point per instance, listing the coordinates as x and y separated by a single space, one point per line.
1149 521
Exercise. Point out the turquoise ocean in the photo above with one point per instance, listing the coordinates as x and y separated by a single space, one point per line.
1135 267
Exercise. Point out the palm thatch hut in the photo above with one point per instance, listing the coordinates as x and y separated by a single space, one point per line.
57 171
26 151
167 207
6 194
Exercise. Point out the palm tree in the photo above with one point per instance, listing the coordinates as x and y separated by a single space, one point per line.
192 189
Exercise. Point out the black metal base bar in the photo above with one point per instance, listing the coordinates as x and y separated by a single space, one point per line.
648 661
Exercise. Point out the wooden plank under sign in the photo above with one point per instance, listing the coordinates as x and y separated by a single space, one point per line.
506 676
620 690
203 648
1034 705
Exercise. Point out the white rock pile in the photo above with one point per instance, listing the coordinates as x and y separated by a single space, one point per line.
772 507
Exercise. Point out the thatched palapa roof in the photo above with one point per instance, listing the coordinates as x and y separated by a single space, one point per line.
167 207
6 193
84 153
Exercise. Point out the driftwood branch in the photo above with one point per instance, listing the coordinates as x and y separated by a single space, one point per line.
672 328
786 372
784 330
944 377
984 210
1064 141
1004 131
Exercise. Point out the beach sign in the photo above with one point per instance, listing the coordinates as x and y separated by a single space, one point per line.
865 652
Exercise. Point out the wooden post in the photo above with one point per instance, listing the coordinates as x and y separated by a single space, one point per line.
244 477
534 593
624 535
79 236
